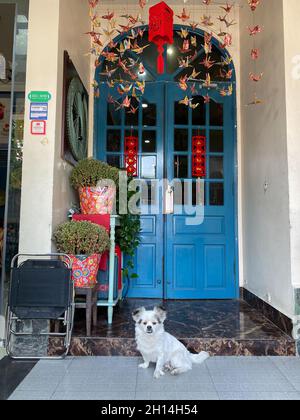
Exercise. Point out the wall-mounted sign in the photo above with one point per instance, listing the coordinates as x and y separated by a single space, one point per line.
39 111
38 128
39 96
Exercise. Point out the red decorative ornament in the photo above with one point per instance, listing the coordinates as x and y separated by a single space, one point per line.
161 25
131 155
199 156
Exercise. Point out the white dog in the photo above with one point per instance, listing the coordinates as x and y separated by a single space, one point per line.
158 346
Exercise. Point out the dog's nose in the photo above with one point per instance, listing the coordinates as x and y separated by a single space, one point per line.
149 328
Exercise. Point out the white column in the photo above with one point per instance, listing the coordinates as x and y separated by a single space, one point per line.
39 151
291 12
54 26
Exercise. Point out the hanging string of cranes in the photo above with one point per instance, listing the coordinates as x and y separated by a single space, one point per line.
110 54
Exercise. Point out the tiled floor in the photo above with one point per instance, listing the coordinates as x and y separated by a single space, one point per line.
12 373
119 378
223 328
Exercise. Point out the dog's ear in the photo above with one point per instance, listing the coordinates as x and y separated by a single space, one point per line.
137 314
161 313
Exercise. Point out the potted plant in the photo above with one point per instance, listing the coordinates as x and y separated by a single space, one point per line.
96 183
84 242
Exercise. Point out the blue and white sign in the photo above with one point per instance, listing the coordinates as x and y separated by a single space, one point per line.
39 111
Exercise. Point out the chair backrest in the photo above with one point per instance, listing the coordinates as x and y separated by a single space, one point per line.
40 288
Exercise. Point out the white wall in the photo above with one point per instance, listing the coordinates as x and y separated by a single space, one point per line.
291 13
46 194
266 223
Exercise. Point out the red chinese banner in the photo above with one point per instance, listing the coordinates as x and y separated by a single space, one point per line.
199 156
131 155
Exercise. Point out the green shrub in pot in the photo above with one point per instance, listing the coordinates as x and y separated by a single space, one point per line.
95 198
89 172
84 242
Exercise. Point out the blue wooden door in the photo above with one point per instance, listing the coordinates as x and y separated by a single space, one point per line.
200 257
148 125
176 259
149 256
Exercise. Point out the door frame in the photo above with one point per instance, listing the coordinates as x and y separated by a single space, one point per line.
165 78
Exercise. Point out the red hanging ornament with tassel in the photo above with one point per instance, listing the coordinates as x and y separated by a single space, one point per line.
161 25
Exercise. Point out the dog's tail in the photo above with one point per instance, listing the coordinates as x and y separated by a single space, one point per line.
199 358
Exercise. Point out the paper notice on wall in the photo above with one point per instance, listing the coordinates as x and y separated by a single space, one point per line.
39 111
2 67
38 128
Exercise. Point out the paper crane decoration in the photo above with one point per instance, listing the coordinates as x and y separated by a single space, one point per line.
161 25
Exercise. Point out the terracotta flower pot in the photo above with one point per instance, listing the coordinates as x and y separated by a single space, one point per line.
96 200
85 270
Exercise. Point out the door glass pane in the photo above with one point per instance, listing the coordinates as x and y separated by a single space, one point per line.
181 140
199 113
216 114
131 133
148 167
150 194
199 133
198 194
114 160
132 114
113 117
216 167
216 194
216 141
181 113
149 115
181 167
178 193
113 140
149 142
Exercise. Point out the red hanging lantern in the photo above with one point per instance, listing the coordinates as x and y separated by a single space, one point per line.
161 22
199 156
131 155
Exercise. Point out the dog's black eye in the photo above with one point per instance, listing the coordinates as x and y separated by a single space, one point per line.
154 323
145 323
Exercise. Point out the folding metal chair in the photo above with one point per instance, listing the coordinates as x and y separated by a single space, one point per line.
41 288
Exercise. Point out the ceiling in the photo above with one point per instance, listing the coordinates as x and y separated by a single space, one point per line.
191 3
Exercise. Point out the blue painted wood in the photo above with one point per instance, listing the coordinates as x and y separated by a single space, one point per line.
205 254
176 260
149 257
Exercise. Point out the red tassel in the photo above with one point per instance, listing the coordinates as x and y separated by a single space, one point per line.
160 64
160 59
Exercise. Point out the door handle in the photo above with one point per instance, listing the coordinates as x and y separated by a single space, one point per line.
169 200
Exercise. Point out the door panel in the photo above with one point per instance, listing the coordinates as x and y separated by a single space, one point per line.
200 258
149 256
178 260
